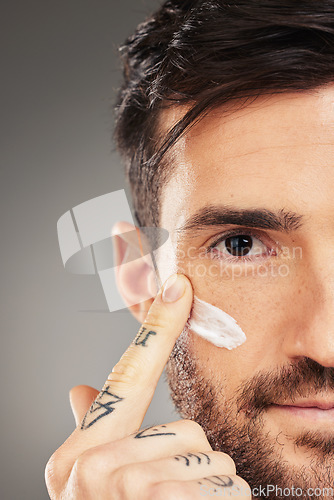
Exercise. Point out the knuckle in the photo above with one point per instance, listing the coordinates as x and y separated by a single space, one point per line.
88 465
124 373
127 369
192 425
157 318
56 472
124 479
227 461
89 473
51 475
120 480
194 429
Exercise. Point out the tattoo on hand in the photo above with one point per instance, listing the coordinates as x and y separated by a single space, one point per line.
152 432
190 455
102 402
178 458
142 336
222 481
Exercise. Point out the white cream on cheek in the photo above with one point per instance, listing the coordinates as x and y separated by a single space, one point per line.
215 325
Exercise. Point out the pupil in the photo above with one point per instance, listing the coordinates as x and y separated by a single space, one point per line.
239 245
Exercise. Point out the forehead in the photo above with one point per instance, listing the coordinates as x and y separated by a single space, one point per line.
277 151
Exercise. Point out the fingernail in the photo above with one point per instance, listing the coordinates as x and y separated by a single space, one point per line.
173 289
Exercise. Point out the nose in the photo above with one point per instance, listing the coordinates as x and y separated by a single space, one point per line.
312 332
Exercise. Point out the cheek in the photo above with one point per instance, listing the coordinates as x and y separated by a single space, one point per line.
264 308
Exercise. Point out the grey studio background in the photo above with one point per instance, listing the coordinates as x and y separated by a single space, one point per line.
59 73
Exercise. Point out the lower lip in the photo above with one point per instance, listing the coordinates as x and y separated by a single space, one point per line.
310 413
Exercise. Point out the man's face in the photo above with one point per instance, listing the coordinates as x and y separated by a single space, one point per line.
276 155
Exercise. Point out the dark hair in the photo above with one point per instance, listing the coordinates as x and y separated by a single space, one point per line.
207 54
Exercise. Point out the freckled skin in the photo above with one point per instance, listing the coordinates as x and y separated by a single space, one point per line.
276 153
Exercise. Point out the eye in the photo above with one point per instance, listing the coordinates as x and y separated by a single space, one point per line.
240 246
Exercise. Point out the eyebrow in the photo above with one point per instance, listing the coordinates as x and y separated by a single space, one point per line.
218 215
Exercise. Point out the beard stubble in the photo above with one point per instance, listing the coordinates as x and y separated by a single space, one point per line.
236 426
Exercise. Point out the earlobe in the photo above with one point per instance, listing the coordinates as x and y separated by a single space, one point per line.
134 272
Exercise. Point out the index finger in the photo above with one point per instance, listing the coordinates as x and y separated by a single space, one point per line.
120 407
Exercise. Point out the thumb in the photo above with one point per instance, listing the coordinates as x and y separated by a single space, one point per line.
81 397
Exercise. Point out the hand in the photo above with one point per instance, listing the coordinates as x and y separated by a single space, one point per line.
109 457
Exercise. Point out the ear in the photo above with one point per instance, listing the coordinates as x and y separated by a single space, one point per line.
135 275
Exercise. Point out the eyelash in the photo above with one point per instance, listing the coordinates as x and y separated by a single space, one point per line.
237 232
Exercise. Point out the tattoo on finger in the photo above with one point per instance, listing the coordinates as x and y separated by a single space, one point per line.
102 406
153 432
143 335
193 455
221 481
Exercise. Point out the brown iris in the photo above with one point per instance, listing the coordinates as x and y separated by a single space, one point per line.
239 245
